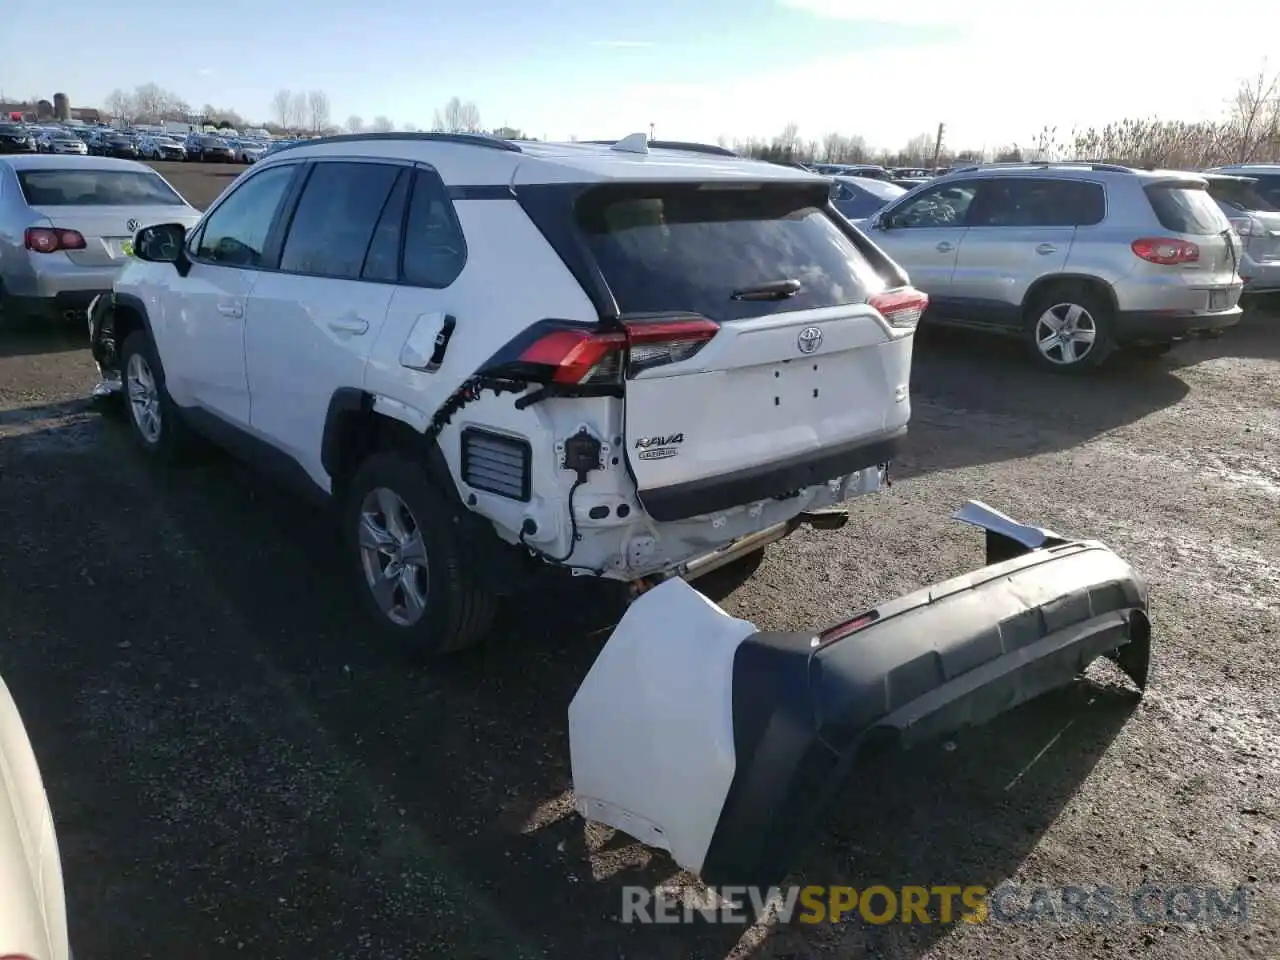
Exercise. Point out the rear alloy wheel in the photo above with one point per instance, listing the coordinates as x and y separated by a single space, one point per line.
417 578
1069 331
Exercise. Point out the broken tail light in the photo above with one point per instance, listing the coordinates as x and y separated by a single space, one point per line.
901 308
585 355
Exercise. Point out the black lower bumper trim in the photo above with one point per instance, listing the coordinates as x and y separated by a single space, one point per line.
1154 326
697 497
952 655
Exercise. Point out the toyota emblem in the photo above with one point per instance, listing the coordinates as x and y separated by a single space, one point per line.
132 226
810 339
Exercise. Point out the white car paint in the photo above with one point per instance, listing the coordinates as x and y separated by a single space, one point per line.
33 913
660 694
265 351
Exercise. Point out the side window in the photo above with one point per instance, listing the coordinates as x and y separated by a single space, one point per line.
1081 204
235 234
434 249
382 262
333 225
945 205
1029 202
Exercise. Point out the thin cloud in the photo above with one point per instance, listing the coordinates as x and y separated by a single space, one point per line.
623 44
205 71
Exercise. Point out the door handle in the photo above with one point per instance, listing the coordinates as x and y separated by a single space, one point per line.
231 310
1045 249
349 325
945 246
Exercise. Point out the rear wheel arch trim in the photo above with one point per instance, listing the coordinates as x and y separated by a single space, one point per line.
1037 289
390 424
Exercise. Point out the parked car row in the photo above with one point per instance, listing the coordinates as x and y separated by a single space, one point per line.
146 144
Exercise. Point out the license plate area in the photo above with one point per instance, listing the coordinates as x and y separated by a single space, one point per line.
1219 299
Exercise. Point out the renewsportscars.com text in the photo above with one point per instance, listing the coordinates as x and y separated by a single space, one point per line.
1149 903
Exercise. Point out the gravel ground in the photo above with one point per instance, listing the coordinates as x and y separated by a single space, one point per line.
235 772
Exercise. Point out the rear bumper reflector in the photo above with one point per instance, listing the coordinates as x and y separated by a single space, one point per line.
696 733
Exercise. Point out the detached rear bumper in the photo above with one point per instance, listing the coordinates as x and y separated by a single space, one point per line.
698 734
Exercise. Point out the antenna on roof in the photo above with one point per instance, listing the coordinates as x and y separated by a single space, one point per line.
634 143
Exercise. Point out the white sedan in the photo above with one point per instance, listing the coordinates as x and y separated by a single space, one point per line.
33 908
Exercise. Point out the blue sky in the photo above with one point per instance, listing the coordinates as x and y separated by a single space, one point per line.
697 69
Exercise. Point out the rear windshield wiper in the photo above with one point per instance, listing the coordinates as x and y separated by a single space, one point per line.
777 290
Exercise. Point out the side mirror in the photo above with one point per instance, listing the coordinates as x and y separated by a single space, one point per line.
878 221
162 243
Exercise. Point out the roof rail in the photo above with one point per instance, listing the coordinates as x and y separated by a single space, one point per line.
1045 164
467 139
686 146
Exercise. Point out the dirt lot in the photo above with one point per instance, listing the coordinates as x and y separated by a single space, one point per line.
236 772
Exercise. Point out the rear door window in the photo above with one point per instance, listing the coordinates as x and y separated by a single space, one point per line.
681 247
332 228
1187 208
1033 202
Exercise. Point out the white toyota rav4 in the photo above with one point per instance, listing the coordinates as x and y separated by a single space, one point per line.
632 360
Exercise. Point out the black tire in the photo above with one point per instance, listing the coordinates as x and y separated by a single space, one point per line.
457 611
1060 298
173 438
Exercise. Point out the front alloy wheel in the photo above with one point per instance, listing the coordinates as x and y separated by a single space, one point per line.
1065 334
144 399
394 557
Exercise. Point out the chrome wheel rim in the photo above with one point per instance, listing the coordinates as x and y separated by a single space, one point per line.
1066 334
144 398
393 556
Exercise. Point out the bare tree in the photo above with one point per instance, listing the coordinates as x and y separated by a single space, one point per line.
919 149
120 105
298 112
318 105
152 102
1255 117
282 107
355 124
458 117
382 124
410 128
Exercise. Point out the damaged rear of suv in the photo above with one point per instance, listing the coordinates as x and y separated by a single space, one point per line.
631 361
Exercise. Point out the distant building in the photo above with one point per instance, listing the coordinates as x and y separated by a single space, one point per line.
47 110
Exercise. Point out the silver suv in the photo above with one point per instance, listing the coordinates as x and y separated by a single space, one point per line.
1077 259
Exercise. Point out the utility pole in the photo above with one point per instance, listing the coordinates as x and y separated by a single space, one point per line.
937 145
651 136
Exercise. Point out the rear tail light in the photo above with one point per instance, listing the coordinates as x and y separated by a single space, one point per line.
577 356
1166 251
901 308
52 239
1247 227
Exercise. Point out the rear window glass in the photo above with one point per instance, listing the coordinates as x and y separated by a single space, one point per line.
1268 186
680 248
1183 208
95 188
